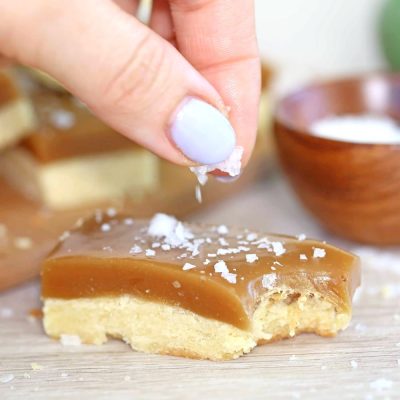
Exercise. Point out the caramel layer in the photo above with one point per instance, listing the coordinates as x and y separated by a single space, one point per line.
68 129
8 91
217 275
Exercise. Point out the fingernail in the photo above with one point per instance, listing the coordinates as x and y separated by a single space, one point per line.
202 133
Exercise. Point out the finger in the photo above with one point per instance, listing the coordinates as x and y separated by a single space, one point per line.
219 40
129 6
161 20
134 80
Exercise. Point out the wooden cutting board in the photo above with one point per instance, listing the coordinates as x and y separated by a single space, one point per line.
28 231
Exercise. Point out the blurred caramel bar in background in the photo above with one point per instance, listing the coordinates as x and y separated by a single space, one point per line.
72 159
17 116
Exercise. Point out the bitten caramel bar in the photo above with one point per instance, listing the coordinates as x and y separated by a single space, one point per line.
191 290
16 112
74 160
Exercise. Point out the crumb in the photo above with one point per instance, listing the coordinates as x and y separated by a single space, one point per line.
176 284
36 366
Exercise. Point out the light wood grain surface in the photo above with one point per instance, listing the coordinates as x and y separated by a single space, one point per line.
361 363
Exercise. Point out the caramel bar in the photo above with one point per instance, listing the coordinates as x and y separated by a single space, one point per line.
73 159
191 290
16 112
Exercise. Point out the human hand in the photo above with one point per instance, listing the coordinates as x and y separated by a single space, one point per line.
153 84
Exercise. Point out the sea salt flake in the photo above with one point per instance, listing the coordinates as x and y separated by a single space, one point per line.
319 253
70 340
206 261
105 227
165 247
211 255
111 212
268 281
107 248
251 236
250 258
26 375
62 119
64 375
232 166
222 230
150 253
155 245
277 248
301 236
231 278
222 241
6 378
354 364
176 284
198 194
221 267
128 221
135 249
303 257
187 266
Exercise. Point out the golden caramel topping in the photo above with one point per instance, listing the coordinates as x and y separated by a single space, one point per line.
8 90
216 272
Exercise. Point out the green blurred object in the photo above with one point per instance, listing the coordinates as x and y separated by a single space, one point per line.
390 32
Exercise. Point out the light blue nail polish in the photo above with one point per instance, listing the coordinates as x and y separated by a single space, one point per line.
202 133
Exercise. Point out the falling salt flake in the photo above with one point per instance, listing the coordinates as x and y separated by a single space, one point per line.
206 261
303 257
222 230
319 253
6 312
70 340
150 253
135 249
250 258
36 366
176 284
277 248
105 227
231 278
323 367
64 375
166 247
268 281
111 212
232 166
23 243
127 378
301 236
251 236
6 378
381 384
187 266
197 193
293 357
354 364
221 267
62 119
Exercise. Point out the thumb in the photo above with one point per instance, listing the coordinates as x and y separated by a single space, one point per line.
130 77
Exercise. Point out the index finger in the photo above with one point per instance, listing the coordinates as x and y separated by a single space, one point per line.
218 38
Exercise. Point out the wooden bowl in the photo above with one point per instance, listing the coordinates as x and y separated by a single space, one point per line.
353 189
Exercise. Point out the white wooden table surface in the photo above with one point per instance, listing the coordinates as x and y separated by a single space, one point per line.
361 363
